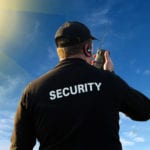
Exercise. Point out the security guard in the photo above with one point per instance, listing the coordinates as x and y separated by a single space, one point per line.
76 106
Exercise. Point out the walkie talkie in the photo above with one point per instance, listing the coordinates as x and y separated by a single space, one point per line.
99 59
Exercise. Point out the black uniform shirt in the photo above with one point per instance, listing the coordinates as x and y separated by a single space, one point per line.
75 106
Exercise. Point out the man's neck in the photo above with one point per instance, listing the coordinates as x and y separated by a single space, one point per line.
73 56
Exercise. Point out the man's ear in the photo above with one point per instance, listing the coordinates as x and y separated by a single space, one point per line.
87 50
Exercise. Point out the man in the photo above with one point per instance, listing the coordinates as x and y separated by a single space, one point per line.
76 106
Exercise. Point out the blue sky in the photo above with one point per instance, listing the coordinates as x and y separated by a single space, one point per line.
27 50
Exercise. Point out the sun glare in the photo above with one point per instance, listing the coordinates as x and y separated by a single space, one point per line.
9 21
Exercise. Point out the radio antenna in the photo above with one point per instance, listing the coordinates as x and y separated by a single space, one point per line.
104 35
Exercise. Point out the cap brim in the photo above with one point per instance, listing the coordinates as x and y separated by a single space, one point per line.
94 38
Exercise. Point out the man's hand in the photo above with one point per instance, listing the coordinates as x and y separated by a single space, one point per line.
108 65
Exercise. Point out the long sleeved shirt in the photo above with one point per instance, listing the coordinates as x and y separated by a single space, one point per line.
76 106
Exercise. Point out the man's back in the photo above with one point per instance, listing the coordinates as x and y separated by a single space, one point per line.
74 108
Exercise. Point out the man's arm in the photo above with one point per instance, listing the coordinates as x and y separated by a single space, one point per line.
132 102
23 136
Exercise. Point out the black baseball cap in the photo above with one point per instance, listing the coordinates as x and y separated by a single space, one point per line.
71 33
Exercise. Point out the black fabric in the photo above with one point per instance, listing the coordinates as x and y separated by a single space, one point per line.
75 106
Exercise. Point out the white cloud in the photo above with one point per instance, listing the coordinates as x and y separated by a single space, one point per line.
139 139
133 62
99 17
130 138
131 134
146 72
36 147
9 84
31 36
126 142
4 144
6 127
6 124
123 116
11 88
52 53
138 71
52 60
